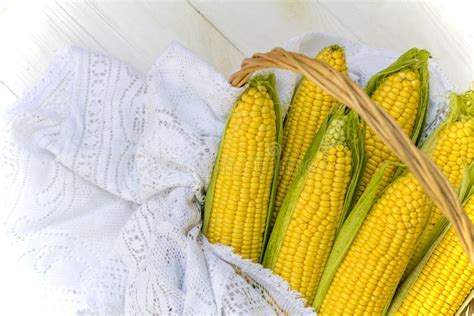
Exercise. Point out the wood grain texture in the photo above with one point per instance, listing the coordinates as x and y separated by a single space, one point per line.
222 32
134 32
445 30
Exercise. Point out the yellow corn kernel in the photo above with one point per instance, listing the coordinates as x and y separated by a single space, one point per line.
448 141
372 267
310 107
245 172
316 215
445 280
454 149
399 95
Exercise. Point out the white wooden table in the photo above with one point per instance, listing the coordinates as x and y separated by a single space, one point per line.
222 32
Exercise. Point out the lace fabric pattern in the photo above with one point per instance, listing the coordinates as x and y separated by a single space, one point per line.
105 172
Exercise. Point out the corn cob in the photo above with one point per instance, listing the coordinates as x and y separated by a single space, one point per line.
310 106
444 277
450 158
239 198
401 90
316 204
376 259
374 262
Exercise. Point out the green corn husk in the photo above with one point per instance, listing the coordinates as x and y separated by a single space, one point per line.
467 308
269 82
353 130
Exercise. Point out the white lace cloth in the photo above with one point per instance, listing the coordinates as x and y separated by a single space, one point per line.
104 170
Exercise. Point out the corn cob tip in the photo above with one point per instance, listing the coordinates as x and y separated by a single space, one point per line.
334 56
462 104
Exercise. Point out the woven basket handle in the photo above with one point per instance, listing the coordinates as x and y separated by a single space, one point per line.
345 90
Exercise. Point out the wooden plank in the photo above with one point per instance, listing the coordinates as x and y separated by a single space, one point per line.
255 26
134 33
398 25
138 33
401 25
34 32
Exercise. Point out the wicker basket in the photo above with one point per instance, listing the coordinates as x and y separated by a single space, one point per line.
341 87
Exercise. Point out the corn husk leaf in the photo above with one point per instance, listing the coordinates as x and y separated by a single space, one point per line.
467 307
359 159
